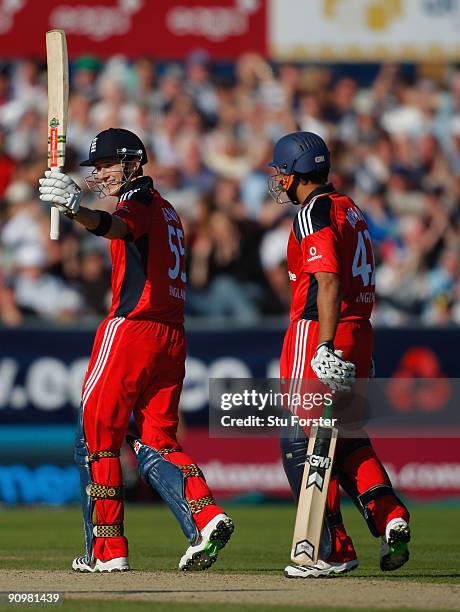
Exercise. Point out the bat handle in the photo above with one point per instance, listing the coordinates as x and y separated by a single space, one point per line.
54 219
54 223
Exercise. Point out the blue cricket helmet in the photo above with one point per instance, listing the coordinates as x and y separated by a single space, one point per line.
300 153
115 142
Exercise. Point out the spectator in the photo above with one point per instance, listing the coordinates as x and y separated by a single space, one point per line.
199 85
453 152
93 280
23 220
84 76
7 165
39 293
210 128
274 264
223 269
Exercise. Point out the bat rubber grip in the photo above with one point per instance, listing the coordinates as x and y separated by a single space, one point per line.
54 223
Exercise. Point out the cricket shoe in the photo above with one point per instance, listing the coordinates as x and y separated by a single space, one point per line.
394 551
321 569
81 564
214 536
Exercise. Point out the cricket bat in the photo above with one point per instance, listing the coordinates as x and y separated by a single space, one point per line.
313 494
58 95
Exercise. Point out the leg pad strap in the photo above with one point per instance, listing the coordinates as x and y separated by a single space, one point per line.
108 531
191 470
100 491
198 504
101 455
375 493
166 451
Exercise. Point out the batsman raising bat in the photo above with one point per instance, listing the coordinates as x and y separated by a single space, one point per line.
332 275
137 363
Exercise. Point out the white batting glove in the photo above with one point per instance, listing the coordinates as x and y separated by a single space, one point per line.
61 191
334 371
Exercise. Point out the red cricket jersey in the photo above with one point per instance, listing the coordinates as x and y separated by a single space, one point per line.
330 234
148 265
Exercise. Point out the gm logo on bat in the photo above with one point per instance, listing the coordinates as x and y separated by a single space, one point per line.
319 461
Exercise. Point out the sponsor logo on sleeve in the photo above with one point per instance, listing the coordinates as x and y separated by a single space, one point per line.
313 254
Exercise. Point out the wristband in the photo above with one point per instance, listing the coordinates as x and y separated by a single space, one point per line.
328 344
104 225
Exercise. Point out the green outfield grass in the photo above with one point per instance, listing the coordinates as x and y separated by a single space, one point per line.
48 538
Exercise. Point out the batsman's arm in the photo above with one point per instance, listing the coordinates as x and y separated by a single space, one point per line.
327 362
61 191
328 302
101 223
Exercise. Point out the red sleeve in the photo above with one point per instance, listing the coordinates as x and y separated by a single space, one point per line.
320 253
137 217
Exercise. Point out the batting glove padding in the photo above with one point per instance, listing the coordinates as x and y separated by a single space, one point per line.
334 371
61 191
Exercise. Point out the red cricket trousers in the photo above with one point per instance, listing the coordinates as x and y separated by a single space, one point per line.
361 466
136 367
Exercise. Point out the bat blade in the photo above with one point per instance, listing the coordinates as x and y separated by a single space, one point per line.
313 495
58 97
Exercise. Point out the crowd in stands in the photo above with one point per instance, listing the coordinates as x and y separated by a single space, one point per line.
209 132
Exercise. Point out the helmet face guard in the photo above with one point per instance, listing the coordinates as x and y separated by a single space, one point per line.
128 168
279 185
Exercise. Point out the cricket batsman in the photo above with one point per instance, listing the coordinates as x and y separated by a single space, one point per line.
332 274
137 362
